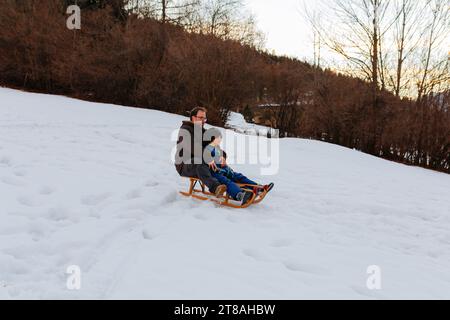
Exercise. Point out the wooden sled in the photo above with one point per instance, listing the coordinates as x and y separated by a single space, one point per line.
226 201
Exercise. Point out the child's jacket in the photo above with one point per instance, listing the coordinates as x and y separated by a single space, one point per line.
217 154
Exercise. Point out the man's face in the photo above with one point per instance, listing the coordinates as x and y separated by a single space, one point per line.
200 118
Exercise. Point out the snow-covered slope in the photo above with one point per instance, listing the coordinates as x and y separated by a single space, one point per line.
92 185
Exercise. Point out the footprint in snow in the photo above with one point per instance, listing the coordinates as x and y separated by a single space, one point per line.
12 181
58 214
255 254
37 231
124 138
6 161
20 173
147 235
151 184
46 190
94 213
93 200
170 198
28 201
202 217
305 268
134 194
282 243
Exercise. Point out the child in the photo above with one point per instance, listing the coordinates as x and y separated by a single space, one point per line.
222 172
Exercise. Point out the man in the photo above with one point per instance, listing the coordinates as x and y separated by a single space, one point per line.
189 160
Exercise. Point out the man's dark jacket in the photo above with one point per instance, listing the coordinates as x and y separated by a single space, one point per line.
186 151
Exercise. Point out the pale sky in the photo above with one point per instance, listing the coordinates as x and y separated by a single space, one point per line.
286 30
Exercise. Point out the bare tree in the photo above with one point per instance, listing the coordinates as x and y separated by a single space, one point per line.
166 11
433 69
314 18
357 36
218 15
394 44
407 37
224 19
143 8
227 19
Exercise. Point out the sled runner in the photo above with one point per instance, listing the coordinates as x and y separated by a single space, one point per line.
259 193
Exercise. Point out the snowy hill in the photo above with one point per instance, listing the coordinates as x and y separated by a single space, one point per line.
92 185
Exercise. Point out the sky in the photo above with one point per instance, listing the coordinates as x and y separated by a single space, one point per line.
287 32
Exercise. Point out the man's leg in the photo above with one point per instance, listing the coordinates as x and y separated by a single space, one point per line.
188 171
232 188
202 172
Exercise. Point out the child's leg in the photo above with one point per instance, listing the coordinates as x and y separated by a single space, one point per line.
240 178
232 188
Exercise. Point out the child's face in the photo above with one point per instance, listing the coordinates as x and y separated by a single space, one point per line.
217 141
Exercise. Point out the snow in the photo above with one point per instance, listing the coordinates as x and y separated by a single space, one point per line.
237 123
92 185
